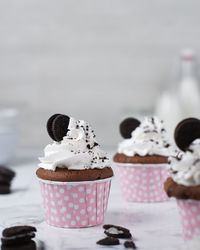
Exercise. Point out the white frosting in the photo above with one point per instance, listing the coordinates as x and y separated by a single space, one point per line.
147 139
77 150
186 171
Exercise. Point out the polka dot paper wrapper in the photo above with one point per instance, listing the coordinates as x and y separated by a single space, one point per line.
143 182
75 204
190 217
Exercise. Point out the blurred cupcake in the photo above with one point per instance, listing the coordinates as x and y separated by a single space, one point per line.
142 159
184 183
74 175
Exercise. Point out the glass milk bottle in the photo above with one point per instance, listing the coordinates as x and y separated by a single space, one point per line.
181 97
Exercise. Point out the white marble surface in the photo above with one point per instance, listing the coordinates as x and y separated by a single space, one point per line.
154 226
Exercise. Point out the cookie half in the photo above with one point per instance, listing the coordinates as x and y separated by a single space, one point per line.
186 132
6 174
17 235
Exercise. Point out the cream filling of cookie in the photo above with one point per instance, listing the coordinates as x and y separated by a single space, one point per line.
18 236
113 230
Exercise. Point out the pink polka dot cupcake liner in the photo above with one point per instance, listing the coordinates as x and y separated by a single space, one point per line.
143 182
75 204
190 217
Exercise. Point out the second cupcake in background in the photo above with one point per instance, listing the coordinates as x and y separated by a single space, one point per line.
142 159
74 175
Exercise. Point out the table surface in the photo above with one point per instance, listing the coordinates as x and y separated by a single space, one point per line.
155 226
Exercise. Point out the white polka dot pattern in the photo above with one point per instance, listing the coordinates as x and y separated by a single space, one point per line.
143 184
190 216
75 205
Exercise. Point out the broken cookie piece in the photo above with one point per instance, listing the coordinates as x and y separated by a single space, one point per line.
130 244
117 231
108 241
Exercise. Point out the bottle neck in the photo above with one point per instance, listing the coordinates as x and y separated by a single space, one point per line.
188 69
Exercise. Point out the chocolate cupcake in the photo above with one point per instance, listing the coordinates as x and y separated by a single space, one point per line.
142 159
74 174
184 183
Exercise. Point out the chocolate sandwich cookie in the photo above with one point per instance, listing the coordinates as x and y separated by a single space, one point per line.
108 241
186 132
57 126
127 126
117 231
6 174
49 125
17 235
4 188
130 244
31 245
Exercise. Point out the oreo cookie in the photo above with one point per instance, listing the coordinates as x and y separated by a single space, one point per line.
31 245
130 244
6 174
108 241
57 126
186 132
60 126
17 235
117 231
49 125
127 126
5 188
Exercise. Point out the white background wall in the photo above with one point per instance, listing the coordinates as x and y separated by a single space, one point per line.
97 60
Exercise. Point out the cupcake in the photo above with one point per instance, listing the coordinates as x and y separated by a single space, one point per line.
184 183
74 175
142 159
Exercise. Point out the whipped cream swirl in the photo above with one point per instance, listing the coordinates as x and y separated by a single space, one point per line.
149 138
185 169
77 150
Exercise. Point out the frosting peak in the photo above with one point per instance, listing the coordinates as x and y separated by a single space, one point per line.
77 150
149 138
186 169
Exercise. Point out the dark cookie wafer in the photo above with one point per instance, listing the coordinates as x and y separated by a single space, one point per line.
120 232
186 132
130 244
49 125
17 235
4 188
25 246
60 126
108 241
127 126
6 174
3 180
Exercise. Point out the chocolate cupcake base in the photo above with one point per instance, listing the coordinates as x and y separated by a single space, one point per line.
66 175
148 159
179 191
